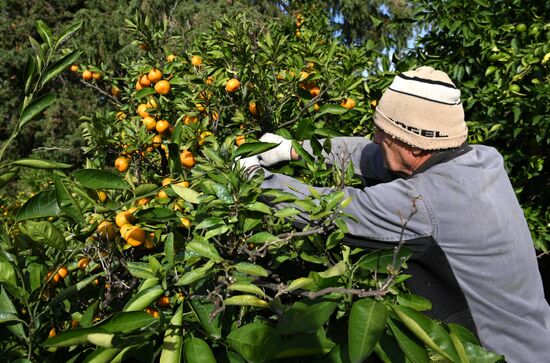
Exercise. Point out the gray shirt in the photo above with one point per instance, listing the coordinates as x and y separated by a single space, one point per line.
474 256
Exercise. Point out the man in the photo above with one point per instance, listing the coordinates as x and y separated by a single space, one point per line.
473 253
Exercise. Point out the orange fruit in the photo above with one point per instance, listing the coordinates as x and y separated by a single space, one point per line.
170 58
138 86
74 68
303 75
102 196
144 81
124 217
52 333
203 136
154 75
316 107
185 222
143 201
166 181
120 115
83 263
162 87
189 120
163 301
106 231
97 75
196 60
87 75
162 126
150 123
142 110
314 91
152 103
209 80
135 236
115 91
184 184
348 103
63 272
215 115
124 229
74 324
187 159
122 164
200 107
232 85
162 194
157 140
240 140
253 108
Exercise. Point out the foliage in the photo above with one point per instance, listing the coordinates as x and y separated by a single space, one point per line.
499 52
178 255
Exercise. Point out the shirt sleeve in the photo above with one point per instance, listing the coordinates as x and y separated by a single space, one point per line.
387 212
366 157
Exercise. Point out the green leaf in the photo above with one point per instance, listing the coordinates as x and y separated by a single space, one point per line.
43 204
144 92
287 212
71 337
217 231
7 273
44 31
331 109
35 108
367 322
139 269
259 207
197 351
40 55
195 274
414 351
253 148
262 237
9 318
381 259
60 66
155 215
202 311
46 233
30 73
40 164
124 322
428 331
173 338
255 341
144 189
204 249
100 179
144 298
66 33
244 287
246 300
223 193
102 355
302 345
7 174
416 302
66 202
187 194
305 317
6 306
251 269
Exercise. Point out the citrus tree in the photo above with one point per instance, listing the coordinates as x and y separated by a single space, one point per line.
161 248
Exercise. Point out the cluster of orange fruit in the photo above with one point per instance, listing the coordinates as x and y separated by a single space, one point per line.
155 76
87 75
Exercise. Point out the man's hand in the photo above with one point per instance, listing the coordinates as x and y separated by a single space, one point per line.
278 154
250 165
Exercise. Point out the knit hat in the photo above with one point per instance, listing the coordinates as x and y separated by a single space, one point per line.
423 109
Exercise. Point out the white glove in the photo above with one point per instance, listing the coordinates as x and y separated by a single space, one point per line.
277 154
250 165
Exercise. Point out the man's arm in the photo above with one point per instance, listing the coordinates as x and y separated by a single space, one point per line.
381 211
366 157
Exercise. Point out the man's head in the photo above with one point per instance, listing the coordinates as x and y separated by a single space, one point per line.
419 113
